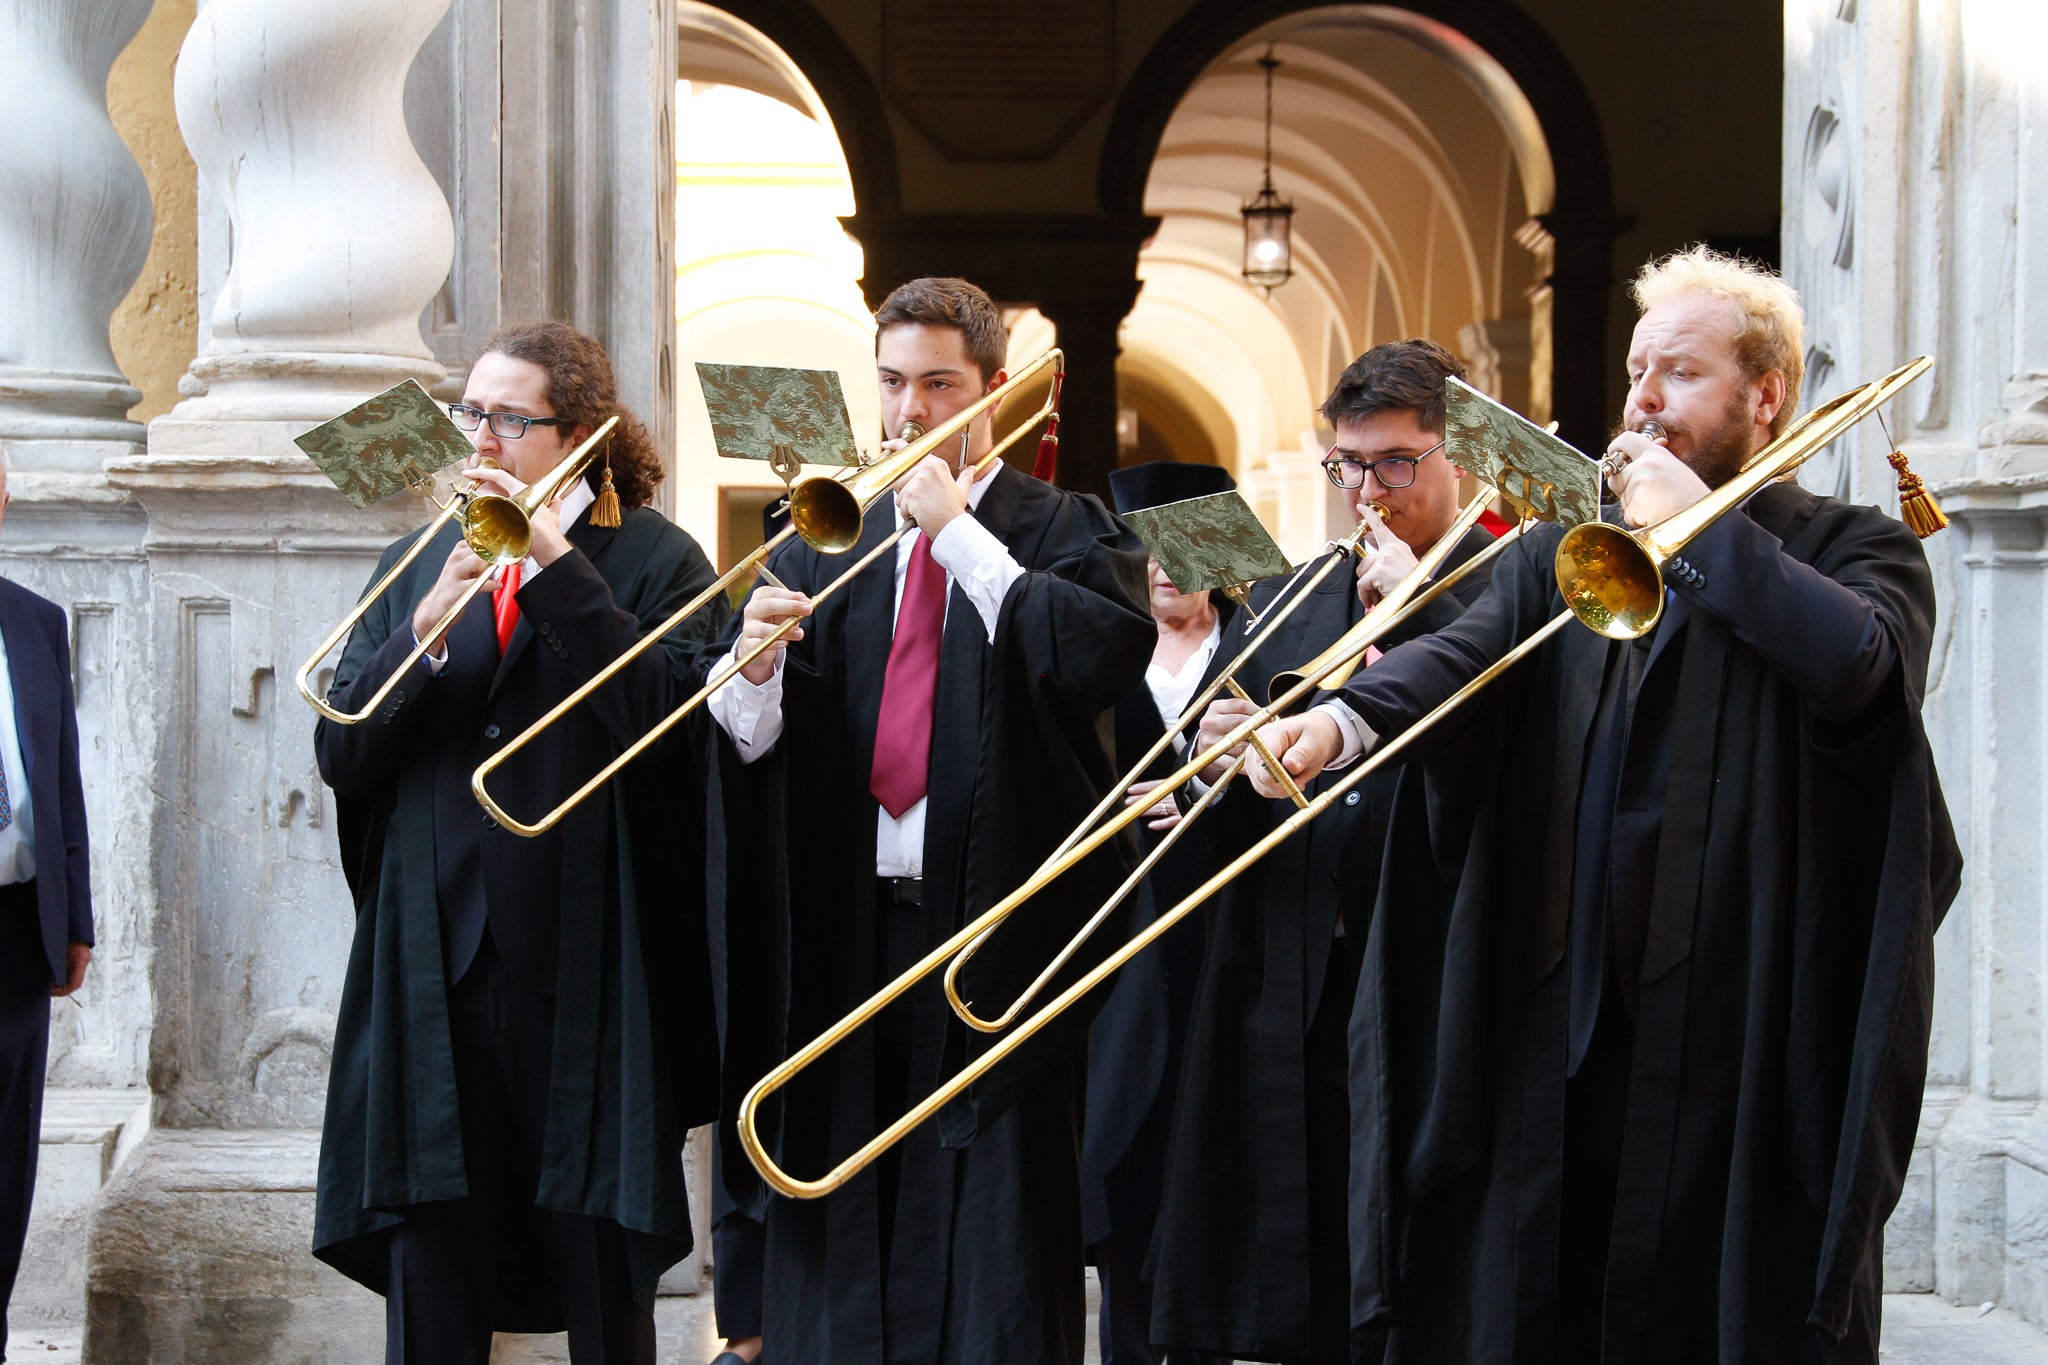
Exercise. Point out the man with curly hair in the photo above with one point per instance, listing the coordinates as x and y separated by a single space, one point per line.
524 1032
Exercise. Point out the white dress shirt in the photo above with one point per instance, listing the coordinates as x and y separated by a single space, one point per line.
1171 692
18 840
567 508
983 569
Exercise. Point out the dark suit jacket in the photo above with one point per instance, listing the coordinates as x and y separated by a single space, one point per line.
46 719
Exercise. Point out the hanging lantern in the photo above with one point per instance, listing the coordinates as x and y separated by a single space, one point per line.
1268 219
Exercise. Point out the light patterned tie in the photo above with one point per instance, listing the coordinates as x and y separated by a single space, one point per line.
6 806
903 731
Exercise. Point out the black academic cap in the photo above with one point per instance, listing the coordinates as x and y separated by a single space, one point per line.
1164 481
774 516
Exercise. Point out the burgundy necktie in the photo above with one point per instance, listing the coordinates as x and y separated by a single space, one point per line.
903 731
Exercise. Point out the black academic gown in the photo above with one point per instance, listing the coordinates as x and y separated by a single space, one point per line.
597 913
1134 1045
1233 1247
1786 893
984 1259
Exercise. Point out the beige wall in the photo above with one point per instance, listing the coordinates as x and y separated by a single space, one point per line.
155 330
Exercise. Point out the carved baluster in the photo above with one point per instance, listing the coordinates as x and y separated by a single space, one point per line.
295 114
74 229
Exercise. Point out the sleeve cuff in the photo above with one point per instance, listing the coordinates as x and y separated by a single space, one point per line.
980 564
739 704
1354 731
966 545
434 662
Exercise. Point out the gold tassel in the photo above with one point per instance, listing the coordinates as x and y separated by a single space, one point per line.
1917 507
605 511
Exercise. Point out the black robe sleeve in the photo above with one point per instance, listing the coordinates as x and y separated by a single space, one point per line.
359 760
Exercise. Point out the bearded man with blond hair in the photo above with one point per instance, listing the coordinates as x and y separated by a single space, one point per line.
1650 1086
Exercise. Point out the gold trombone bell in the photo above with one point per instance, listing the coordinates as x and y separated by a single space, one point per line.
831 509
1613 579
498 529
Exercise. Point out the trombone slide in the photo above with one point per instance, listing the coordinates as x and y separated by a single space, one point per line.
1408 597
785 1183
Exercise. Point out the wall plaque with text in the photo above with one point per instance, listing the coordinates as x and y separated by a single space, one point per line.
994 80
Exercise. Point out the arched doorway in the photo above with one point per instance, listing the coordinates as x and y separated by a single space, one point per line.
765 275
1420 175
1469 101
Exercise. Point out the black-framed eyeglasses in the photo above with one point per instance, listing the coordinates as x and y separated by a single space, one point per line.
506 426
1394 471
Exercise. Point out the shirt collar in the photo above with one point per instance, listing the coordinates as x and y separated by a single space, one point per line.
574 502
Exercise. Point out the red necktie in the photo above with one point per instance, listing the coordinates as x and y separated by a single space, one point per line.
903 731
506 606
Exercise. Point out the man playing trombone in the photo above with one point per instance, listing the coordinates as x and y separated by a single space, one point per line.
1252 1254
915 750
521 1017
1653 1078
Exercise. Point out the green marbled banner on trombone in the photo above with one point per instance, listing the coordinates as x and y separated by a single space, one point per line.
1214 541
1532 468
756 409
395 441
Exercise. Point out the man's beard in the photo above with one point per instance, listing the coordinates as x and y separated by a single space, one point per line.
1718 453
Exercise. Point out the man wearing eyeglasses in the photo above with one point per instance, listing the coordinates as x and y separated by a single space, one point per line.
525 1034
1253 1247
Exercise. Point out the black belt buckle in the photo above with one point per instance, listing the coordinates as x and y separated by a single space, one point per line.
901 891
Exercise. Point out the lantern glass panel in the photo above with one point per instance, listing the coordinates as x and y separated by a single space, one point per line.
1268 250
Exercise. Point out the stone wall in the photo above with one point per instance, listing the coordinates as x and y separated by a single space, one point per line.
1916 183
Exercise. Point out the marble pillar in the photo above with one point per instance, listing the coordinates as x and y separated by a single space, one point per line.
74 230
295 115
338 238
1916 221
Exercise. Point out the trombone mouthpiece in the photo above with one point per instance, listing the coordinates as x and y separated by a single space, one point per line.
911 432
1654 430
1380 510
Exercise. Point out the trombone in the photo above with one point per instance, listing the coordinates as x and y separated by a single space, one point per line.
498 528
1408 597
1597 576
828 513
1329 670
1611 578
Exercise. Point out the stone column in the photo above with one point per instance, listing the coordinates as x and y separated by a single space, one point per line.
1087 324
1916 174
1574 298
339 239
74 229
295 115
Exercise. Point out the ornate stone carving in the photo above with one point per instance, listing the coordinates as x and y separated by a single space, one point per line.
295 115
74 230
